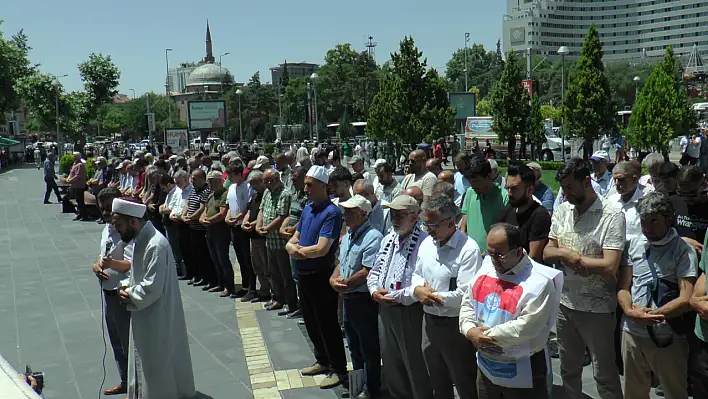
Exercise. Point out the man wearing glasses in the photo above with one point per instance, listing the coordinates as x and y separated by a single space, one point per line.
447 261
507 314
586 241
691 206
390 284
626 176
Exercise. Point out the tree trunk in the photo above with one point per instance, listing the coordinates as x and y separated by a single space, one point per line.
511 147
587 148
533 151
522 150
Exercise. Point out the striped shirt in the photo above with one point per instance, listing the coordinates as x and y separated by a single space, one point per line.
198 198
275 203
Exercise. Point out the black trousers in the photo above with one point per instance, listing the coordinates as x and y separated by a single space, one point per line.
242 246
200 252
51 186
78 194
318 302
185 248
218 240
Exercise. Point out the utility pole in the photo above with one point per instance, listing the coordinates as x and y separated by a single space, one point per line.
150 120
167 86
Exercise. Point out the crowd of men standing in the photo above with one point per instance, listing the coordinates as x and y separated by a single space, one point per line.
456 280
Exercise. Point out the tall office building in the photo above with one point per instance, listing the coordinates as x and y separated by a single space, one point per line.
629 29
295 70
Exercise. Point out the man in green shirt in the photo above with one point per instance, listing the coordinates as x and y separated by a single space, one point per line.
483 201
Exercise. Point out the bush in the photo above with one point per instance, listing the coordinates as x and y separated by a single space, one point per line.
65 163
269 149
90 168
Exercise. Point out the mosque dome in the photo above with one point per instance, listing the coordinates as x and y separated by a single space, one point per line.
208 74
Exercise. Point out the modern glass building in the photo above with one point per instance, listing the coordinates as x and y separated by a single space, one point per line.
628 28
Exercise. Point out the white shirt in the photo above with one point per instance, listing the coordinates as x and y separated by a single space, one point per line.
448 269
237 198
181 200
633 222
684 144
119 250
694 147
173 196
404 295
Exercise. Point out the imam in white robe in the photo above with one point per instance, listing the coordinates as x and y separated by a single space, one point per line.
159 361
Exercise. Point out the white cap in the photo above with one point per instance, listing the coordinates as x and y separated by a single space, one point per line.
319 173
600 155
357 201
128 208
379 162
260 161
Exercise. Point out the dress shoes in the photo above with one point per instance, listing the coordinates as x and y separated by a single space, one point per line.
240 293
212 288
295 314
274 306
261 299
200 283
315 369
248 297
116 390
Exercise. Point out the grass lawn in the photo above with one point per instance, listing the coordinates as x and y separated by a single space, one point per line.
547 176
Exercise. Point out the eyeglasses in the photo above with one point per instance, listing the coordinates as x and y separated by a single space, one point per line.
498 256
433 226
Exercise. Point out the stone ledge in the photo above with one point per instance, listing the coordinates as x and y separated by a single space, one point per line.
12 386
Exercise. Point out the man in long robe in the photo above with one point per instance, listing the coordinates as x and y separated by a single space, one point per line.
159 361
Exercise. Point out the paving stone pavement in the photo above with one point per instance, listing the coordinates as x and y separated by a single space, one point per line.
50 314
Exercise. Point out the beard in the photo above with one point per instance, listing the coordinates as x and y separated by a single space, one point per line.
128 236
518 203
576 200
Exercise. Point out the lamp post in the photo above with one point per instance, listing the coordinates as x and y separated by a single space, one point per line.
280 109
467 39
636 80
57 86
167 85
563 51
221 77
133 90
239 92
313 78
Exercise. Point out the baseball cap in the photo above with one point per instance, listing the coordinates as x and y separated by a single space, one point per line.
403 202
357 201
215 174
260 161
99 159
379 162
318 173
354 159
537 169
600 155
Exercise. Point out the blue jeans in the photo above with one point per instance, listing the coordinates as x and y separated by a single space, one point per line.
361 328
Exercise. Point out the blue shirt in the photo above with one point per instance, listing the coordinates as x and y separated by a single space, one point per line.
359 249
380 219
461 185
321 220
544 194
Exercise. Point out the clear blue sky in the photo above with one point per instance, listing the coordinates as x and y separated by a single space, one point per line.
258 34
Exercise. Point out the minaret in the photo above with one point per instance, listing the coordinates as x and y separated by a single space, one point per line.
209 59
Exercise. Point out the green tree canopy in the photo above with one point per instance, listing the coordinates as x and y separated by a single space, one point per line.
662 111
100 77
588 110
14 67
412 103
510 104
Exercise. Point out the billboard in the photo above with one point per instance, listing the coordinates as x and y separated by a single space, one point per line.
206 115
479 125
177 138
464 103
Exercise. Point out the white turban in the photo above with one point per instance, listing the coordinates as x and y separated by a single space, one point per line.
128 208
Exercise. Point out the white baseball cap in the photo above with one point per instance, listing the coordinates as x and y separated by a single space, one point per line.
357 201
600 155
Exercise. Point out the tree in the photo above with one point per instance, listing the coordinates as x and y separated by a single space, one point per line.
537 130
412 103
550 112
284 78
480 68
484 107
662 111
259 108
14 66
588 109
100 77
621 76
39 94
510 104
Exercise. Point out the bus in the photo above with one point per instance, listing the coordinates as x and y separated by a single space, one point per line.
359 128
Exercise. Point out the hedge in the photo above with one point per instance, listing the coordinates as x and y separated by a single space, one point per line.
552 165
67 160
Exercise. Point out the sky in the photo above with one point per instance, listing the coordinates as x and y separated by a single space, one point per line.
258 34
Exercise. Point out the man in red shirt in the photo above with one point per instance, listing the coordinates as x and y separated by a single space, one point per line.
139 179
77 179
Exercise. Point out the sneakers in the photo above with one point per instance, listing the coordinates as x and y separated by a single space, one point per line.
315 369
332 380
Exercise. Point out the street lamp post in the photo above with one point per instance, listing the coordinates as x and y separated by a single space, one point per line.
167 85
280 109
133 90
563 51
313 78
57 86
467 39
636 80
240 118
221 77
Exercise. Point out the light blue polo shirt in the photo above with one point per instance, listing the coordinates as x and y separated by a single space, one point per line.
359 249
